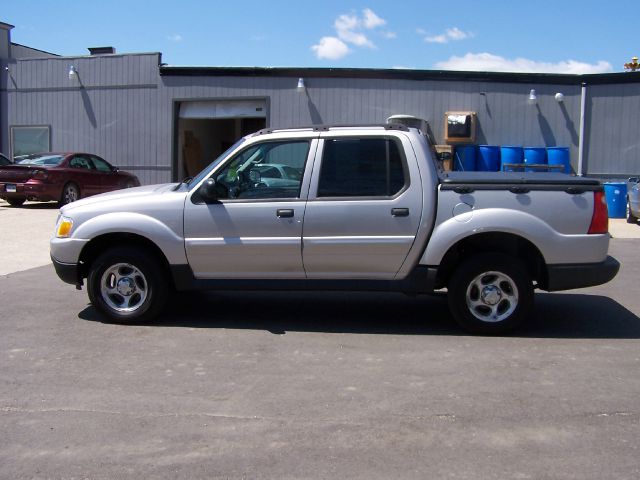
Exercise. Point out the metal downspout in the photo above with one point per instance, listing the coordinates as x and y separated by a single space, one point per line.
583 103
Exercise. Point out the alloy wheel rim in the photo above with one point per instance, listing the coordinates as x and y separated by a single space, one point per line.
492 297
71 194
124 288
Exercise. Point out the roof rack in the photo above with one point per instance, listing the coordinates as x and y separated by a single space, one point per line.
326 128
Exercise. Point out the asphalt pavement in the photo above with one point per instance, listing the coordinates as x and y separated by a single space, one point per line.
316 385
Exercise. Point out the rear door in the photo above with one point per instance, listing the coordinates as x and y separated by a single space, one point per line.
364 207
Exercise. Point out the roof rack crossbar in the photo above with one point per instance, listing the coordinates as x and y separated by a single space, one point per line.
326 128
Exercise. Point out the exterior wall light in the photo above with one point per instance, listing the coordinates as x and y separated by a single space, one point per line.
73 73
301 87
533 99
559 97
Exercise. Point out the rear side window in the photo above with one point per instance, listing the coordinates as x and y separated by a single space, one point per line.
361 167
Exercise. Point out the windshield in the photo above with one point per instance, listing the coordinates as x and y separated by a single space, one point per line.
204 173
45 160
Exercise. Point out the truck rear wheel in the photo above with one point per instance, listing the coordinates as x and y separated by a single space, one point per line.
490 293
127 285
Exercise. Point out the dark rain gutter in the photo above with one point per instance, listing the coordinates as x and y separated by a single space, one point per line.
402 74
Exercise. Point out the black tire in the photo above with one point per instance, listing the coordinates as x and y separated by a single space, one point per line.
16 202
127 285
631 218
70 193
130 184
490 293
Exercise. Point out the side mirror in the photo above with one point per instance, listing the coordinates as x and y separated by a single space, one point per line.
208 191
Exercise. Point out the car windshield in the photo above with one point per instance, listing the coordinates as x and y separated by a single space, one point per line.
45 160
215 163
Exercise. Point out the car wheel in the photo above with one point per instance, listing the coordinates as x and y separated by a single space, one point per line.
70 193
16 202
130 184
490 293
127 285
631 218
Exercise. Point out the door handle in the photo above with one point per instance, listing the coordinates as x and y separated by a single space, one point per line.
400 212
285 213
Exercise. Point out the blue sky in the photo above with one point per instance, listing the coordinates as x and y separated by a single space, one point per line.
564 36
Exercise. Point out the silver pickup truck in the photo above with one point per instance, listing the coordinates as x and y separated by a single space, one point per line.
339 208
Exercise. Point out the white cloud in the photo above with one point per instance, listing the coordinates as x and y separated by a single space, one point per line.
350 29
437 39
371 20
346 27
176 37
456 34
494 63
450 34
330 48
421 31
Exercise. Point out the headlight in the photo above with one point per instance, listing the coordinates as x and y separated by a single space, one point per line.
63 227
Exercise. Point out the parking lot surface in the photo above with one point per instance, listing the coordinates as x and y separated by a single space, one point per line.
317 385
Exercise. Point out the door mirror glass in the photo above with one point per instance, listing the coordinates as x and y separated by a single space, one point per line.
208 191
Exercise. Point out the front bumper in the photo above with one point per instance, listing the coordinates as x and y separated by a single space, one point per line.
68 272
580 275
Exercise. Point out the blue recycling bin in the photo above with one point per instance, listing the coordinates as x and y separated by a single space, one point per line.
616 195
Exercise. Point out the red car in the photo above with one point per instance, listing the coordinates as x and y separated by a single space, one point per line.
64 177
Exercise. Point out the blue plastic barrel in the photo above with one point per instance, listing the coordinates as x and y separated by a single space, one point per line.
510 154
488 158
465 158
535 156
559 156
616 195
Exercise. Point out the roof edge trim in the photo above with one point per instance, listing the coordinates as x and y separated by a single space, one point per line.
402 74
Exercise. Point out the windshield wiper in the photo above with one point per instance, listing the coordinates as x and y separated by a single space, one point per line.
185 180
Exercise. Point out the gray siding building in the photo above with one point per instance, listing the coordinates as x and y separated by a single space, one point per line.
154 119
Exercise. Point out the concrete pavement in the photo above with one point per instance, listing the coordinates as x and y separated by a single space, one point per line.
24 235
304 385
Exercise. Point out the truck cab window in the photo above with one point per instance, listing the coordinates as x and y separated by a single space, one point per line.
361 167
266 170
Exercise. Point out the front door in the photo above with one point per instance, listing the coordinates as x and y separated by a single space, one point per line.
255 229
84 175
363 213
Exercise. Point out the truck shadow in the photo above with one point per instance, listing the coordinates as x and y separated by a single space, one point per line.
555 316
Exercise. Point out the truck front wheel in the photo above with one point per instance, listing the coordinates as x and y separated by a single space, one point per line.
490 293
127 285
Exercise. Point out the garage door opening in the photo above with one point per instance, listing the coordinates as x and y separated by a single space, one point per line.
207 128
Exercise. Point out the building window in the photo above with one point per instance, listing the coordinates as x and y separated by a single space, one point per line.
28 140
